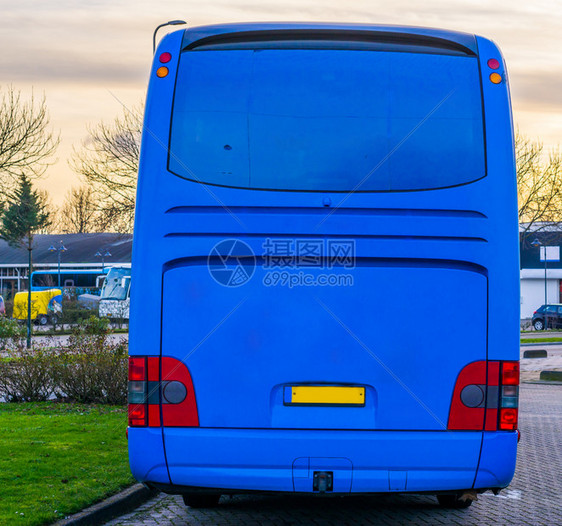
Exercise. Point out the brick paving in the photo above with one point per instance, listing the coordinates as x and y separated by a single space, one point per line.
534 497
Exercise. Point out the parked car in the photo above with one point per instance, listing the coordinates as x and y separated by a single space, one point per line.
46 306
553 314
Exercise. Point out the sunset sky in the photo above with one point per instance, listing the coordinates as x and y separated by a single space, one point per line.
91 57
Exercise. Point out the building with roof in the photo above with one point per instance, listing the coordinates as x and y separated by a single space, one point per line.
540 280
81 250
80 253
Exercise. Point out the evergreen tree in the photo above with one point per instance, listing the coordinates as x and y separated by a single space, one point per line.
24 213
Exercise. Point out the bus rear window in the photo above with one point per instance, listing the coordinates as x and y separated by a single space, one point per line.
327 120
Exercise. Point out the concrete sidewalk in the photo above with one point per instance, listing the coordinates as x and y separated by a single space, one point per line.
531 367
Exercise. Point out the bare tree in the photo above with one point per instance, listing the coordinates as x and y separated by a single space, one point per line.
79 212
108 161
539 186
26 143
51 210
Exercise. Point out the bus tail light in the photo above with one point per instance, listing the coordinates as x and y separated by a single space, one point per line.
469 396
166 57
510 373
160 393
179 407
138 411
509 396
486 397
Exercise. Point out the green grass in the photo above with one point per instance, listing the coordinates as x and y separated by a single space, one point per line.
56 459
540 340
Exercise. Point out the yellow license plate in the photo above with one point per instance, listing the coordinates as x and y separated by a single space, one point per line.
324 395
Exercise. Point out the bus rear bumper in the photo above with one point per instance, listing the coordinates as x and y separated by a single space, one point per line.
239 460
497 461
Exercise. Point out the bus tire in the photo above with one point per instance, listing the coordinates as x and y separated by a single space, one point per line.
453 502
201 500
42 320
538 325
54 319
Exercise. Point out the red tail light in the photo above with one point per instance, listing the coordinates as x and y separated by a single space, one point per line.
510 373
161 393
469 396
486 397
179 407
137 369
509 396
508 419
165 57
138 414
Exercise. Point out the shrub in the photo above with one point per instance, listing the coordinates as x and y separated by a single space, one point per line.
10 332
90 368
93 326
9 305
26 375
73 312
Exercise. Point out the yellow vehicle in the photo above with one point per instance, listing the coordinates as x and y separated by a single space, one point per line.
46 306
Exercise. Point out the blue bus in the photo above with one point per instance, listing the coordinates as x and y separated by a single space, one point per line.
326 233
71 280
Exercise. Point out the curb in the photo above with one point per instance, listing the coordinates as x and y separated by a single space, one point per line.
539 343
541 382
124 502
551 376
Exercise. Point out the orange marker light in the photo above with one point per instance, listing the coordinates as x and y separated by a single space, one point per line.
163 71
496 78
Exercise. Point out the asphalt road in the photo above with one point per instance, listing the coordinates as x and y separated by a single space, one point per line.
533 498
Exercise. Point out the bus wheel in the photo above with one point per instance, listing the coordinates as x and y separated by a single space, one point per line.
453 501
43 320
54 319
201 500
538 325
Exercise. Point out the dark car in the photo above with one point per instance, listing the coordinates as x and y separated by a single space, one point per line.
553 314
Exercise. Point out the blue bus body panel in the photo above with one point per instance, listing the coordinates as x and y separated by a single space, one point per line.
337 334
435 288
497 462
284 460
146 455
498 202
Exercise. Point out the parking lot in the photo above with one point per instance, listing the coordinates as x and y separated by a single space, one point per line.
534 497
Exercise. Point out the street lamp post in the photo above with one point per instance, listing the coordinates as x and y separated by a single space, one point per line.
170 23
537 243
105 254
59 250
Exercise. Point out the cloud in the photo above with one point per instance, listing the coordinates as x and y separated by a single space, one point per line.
76 51
537 90
74 69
